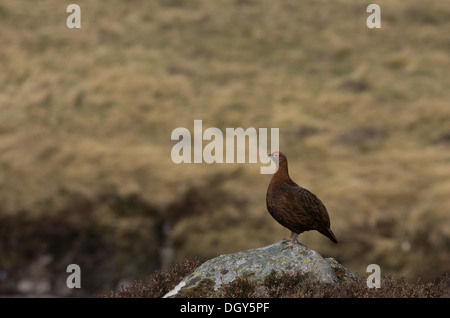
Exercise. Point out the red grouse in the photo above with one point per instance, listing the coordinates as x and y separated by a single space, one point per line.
294 207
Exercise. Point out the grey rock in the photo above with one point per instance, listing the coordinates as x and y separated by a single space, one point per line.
256 264
341 272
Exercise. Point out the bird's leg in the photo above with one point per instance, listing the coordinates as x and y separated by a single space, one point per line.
292 240
293 237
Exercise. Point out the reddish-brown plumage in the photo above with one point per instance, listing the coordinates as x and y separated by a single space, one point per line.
295 207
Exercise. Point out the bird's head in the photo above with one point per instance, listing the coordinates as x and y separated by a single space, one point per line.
278 157
275 156
280 161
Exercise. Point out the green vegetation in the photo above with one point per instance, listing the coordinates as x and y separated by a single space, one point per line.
86 175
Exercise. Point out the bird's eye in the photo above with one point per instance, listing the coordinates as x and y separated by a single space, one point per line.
275 154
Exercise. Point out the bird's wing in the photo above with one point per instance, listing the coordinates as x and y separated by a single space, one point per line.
306 202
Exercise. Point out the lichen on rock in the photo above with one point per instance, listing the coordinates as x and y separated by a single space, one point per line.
256 264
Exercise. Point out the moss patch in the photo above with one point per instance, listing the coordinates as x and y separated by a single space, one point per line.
204 288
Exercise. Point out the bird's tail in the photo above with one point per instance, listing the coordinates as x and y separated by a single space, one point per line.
329 233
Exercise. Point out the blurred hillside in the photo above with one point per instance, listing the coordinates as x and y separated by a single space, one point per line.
86 175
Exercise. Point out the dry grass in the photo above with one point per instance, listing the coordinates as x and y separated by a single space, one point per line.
363 117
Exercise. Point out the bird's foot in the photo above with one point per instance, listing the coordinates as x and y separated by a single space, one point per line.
285 240
288 244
